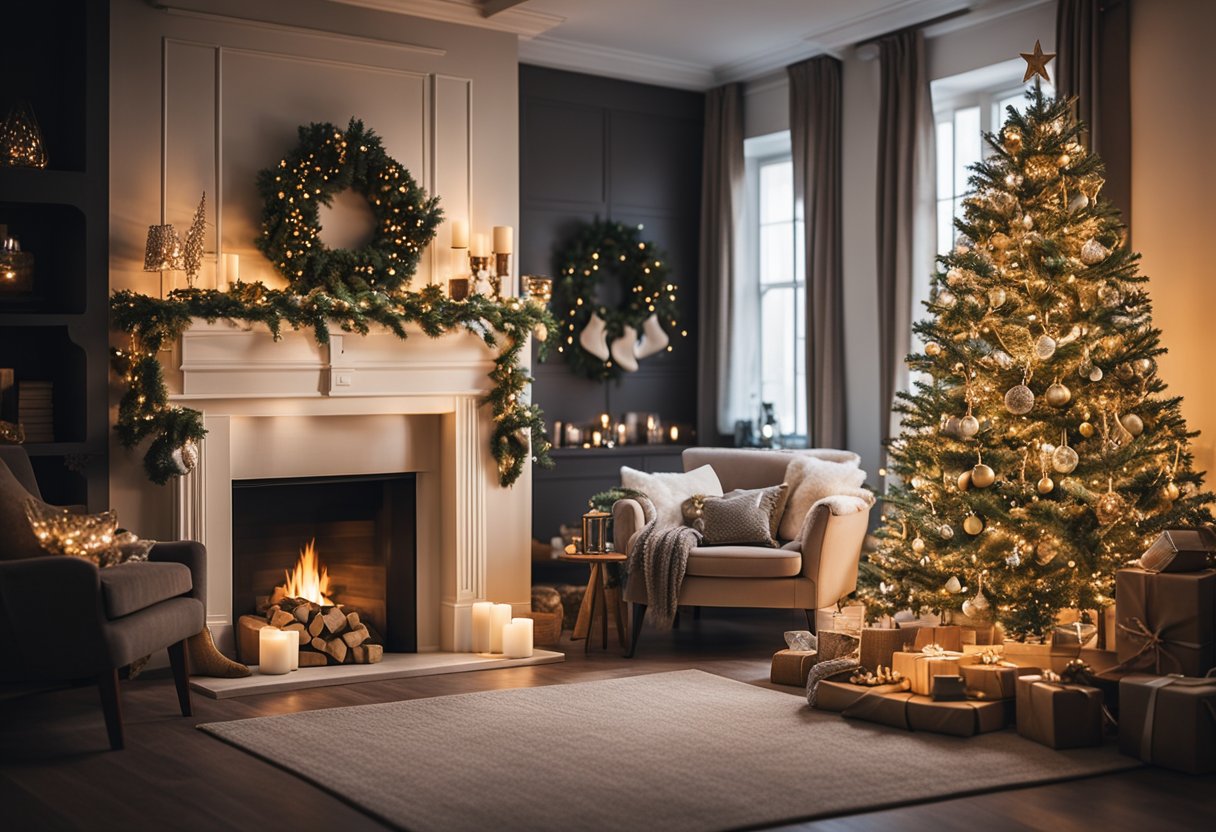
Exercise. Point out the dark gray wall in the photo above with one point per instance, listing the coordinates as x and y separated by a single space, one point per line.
591 147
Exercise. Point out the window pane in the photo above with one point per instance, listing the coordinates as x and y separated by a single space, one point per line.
799 424
945 158
776 192
778 341
966 146
799 243
945 228
777 253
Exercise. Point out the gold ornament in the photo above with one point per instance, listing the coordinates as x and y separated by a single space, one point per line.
918 545
997 298
1170 491
1143 366
946 299
1036 63
1019 400
1013 139
1058 395
954 586
982 476
1095 373
999 241
933 349
185 457
951 426
973 525
1109 508
955 276
542 332
1046 485
1077 203
1064 460
1093 252
1133 424
964 481
1086 430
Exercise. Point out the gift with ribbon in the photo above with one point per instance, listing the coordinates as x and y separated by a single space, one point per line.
1180 550
879 644
988 680
1058 715
1166 621
891 705
790 667
1169 721
950 638
932 660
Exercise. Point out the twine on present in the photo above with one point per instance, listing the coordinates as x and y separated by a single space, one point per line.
1153 643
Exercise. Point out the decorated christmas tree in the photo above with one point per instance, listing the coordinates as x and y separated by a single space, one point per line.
1039 451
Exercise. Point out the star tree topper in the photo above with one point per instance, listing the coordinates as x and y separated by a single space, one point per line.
1036 63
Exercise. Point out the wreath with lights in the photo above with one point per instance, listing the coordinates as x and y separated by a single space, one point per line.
605 250
326 162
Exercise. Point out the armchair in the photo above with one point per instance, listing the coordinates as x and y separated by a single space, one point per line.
76 622
815 571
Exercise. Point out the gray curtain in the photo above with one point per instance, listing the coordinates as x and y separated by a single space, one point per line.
815 124
1093 64
905 204
721 204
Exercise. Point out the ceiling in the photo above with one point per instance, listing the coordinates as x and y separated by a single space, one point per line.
693 44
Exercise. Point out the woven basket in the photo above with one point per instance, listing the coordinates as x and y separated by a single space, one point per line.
546 626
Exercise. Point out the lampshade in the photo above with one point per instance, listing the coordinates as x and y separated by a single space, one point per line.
164 249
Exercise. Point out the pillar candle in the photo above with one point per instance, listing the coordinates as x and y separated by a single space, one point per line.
274 651
481 626
481 246
230 271
500 616
460 234
504 239
517 638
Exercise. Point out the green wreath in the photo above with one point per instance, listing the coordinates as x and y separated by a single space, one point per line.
605 250
326 162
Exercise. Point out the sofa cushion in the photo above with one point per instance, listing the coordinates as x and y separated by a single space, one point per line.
743 562
810 480
741 517
669 491
131 587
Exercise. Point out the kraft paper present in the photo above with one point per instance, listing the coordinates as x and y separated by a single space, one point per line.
920 668
994 681
1058 715
958 719
1169 721
1180 550
1166 621
889 705
840 696
790 667
949 638
879 644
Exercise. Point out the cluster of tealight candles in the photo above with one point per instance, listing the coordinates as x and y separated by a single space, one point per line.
495 632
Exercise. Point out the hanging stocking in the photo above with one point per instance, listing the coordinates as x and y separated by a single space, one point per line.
623 350
654 338
594 338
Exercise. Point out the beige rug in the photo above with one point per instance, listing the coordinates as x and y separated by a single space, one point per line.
673 751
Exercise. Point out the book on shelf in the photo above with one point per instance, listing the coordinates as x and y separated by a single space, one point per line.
36 411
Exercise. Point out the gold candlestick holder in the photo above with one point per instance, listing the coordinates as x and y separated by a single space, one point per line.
502 272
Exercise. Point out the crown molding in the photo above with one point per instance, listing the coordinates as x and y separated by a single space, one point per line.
575 56
517 19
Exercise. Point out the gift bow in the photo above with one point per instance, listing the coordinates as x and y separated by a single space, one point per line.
933 650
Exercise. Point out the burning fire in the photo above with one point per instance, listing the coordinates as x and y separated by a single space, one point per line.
309 580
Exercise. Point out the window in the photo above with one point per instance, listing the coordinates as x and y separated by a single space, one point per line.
769 354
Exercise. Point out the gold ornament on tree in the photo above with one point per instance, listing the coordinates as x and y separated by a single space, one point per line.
1110 506
1058 395
21 143
1064 459
973 525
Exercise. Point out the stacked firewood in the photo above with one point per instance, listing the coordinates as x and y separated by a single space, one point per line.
328 634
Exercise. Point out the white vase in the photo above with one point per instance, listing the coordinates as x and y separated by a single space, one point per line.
623 350
654 339
594 337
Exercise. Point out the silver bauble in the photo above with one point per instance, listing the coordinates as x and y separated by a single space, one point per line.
1093 252
1019 400
1064 460
969 426
1058 395
1045 347
982 476
946 531
1133 424
918 545
1109 508
954 585
1096 373
1077 203
1143 366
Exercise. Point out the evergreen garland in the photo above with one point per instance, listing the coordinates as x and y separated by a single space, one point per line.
326 162
153 323
606 250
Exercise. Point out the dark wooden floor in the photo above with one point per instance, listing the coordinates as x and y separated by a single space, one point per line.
56 771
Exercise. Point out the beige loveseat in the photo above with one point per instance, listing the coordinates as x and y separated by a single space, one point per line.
810 573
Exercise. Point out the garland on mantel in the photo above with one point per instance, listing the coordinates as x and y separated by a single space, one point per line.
154 323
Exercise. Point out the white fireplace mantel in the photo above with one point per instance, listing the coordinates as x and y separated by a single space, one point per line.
362 404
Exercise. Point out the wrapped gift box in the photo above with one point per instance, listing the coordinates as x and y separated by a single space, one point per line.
920 668
879 644
949 638
790 667
1169 721
994 681
889 705
1058 715
1166 621
1180 550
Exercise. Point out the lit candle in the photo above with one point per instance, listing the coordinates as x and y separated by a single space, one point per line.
597 439
460 234
500 617
620 434
230 271
675 433
504 239
481 626
274 651
517 638
605 420
481 246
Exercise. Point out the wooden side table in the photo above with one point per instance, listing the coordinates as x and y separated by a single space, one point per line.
597 588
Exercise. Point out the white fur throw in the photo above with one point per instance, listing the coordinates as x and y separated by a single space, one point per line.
812 479
669 491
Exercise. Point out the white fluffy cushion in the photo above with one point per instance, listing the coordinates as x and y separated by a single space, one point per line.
812 479
669 491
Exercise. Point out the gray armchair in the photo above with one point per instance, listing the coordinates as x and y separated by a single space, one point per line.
74 622
810 573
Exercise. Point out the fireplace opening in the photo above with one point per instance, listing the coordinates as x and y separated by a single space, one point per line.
349 541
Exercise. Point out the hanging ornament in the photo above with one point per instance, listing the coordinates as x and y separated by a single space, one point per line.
951 426
978 606
953 586
1143 366
1064 459
918 544
1125 372
997 298
973 525
933 349
982 476
1045 485
1086 429
964 480
1095 373
1109 508
1045 347
542 332
1170 491
1058 395
1133 424
946 299
1013 139
1093 252
946 531
1019 400
969 426
1003 359
186 457
1078 203
955 276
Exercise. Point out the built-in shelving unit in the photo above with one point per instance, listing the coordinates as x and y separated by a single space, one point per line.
55 59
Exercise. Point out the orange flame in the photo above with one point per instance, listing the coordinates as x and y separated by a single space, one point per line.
309 580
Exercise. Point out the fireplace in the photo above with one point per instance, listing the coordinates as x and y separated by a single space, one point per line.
361 530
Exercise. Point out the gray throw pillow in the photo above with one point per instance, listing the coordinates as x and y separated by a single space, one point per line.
741 517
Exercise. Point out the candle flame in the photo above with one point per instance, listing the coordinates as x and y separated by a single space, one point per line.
309 580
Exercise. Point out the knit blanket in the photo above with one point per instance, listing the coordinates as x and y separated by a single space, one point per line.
661 556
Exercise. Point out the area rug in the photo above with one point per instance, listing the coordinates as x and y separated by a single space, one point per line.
685 750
